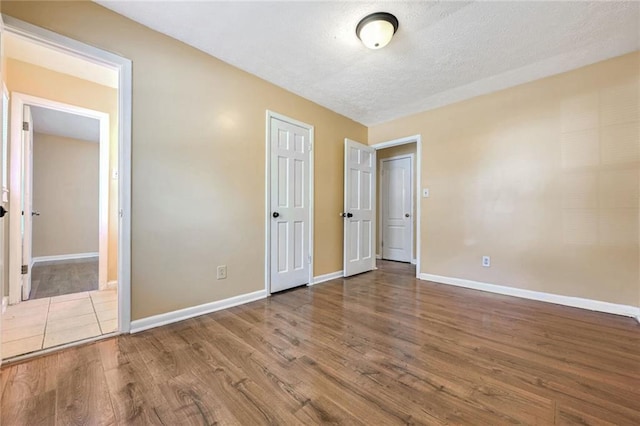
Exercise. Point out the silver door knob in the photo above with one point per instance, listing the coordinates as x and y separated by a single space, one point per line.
35 213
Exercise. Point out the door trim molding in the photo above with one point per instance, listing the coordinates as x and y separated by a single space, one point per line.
267 199
18 101
411 157
124 69
418 184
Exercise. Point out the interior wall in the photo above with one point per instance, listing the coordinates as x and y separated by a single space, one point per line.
542 177
198 161
44 83
66 193
394 151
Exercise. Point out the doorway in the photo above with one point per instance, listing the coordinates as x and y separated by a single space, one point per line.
405 147
60 161
289 203
69 250
396 177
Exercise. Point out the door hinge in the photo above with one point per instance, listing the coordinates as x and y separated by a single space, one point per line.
120 213
25 126
24 270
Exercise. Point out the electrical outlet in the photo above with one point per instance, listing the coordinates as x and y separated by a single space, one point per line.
222 272
486 261
425 192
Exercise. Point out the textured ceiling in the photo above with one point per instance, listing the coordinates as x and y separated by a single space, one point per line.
60 123
443 52
28 51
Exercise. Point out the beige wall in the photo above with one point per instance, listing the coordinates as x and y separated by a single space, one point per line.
543 177
394 151
37 81
66 193
198 161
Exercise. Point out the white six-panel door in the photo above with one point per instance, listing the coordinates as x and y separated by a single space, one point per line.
396 196
359 211
289 205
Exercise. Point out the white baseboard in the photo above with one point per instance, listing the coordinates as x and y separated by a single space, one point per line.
194 311
64 257
326 277
414 261
5 303
576 302
112 285
378 256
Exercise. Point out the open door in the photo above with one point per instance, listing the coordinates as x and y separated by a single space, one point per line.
359 207
27 200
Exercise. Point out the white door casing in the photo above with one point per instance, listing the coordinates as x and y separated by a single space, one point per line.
289 202
123 67
359 211
27 200
397 208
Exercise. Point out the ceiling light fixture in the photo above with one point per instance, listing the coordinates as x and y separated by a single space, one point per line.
377 29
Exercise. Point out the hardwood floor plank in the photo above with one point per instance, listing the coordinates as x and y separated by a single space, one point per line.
82 393
378 348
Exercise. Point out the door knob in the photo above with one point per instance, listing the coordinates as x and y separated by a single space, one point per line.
35 213
406 215
276 214
3 211
347 214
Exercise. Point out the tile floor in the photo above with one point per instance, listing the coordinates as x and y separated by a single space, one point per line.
52 321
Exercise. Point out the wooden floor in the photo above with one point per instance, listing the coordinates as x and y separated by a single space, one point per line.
380 348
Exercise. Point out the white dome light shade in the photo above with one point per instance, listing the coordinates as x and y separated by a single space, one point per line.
377 29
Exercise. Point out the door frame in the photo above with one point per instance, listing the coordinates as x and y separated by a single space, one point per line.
267 202
123 67
18 101
417 139
411 157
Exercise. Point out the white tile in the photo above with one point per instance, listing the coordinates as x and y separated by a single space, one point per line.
21 347
32 303
72 335
60 324
107 315
71 296
106 306
21 310
104 296
109 326
22 332
70 308
19 322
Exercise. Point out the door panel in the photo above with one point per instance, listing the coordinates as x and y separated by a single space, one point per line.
289 201
359 214
397 232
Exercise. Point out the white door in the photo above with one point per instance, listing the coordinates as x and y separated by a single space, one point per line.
396 195
359 212
289 204
27 201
